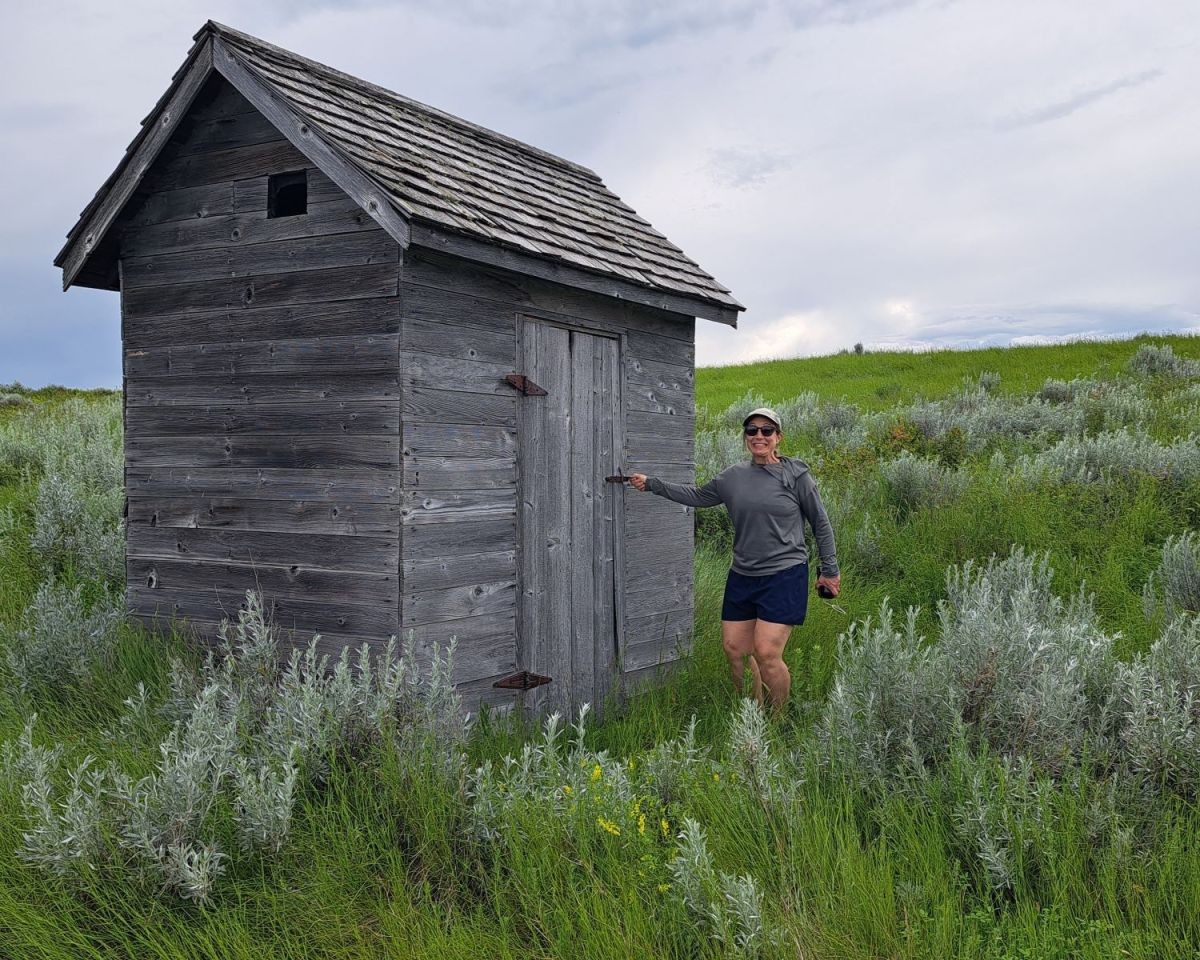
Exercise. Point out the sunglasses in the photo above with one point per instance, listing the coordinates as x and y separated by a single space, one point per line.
766 431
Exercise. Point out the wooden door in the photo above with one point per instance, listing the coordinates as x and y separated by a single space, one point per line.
567 446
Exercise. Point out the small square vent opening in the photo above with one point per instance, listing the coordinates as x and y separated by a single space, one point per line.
287 194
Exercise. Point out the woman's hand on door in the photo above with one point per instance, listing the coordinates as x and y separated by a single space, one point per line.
638 480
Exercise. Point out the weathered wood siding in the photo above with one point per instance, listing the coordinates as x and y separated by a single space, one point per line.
461 542
262 394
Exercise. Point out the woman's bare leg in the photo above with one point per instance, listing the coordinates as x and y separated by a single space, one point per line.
769 641
737 637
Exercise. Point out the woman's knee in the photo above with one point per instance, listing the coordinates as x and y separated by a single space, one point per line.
737 638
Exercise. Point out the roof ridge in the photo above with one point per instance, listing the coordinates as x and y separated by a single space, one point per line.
227 32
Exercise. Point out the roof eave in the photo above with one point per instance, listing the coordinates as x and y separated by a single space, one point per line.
431 237
88 234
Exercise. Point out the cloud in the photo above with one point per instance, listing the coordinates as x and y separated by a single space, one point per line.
839 165
1068 106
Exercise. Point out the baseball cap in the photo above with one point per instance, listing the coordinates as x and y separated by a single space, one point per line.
764 412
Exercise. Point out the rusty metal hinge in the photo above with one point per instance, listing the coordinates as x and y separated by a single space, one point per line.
525 385
521 681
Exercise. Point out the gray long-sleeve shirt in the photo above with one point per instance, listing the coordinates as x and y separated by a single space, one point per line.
769 504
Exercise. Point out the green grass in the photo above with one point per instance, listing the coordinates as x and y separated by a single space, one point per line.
378 864
876 381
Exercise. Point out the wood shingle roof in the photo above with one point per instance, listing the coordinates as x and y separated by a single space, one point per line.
442 172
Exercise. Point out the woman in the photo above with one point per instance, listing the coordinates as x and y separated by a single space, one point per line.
769 498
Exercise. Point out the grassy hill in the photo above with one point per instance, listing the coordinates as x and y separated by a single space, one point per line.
1005 772
875 380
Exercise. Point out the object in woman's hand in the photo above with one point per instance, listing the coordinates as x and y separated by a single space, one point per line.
824 592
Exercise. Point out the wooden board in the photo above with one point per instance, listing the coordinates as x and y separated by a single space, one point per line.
464 538
660 427
288 613
292 451
283 516
500 624
301 251
337 417
441 572
422 370
267 290
662 388
143 250
661 636
455 603
326 551
451 473
200 134
458 440
257 390
319 485
337 318
451 406
250 160
295 581
453 506
450 304
245 196
459 341
318 356
512 291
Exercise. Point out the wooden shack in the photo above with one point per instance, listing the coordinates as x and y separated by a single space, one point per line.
379 362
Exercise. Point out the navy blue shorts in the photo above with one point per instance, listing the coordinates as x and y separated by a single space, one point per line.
778 597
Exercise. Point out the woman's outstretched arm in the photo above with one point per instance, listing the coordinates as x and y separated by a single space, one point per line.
708 495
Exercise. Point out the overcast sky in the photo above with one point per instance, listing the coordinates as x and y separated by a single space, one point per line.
895 172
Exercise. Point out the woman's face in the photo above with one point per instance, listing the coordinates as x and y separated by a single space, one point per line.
760 445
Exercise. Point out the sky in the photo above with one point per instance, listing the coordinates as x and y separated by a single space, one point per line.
897 173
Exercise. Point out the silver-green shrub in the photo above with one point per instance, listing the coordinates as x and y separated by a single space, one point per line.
249 734
730 906
20 451
1116 404
1029 673
61 639
1065 391
74 450
1017 671
717 450
912 482
265 794
1116 455
890 712
1157 698
1153 360
1002 813
552 775
1173 589
1018 675
750 753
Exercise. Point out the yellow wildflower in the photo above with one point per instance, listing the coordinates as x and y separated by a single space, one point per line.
632 765
608 826
666 827
567 789
716 778
664 887
597 773
642 824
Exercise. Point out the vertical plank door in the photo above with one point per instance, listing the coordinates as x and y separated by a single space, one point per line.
567 443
